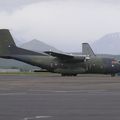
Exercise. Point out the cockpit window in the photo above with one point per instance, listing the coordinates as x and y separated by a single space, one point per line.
115 61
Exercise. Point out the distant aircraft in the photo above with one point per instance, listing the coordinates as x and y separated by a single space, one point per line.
65 64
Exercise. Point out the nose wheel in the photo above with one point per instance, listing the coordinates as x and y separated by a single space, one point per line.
113 75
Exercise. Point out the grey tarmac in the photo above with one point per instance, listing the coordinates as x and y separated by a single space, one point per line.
52 97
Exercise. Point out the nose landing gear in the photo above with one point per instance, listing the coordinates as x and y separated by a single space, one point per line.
112 74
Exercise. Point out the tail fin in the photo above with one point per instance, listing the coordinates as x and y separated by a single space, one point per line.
6 42
87 50
8 48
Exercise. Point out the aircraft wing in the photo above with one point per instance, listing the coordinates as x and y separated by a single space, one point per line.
64 56
59 55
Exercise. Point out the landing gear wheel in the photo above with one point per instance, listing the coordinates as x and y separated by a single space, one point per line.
74 74
63 74
68 74
112 75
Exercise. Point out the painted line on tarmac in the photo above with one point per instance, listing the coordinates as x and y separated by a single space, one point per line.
67 91
52 92
36 117
4 94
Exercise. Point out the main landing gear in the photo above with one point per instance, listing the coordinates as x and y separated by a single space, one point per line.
68 74
113 75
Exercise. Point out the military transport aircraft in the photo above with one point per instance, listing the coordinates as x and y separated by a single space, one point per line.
65 64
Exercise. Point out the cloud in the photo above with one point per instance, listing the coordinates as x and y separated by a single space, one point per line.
11 5
63 24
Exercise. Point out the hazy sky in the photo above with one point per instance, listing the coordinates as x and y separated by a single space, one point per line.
64 24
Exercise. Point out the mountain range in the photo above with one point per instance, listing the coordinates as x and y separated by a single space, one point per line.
38 46
108 44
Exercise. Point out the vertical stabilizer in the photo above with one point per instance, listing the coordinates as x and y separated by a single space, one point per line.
6 42
8 47
87 50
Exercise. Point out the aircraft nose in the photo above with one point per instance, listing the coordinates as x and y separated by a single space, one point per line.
116 66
